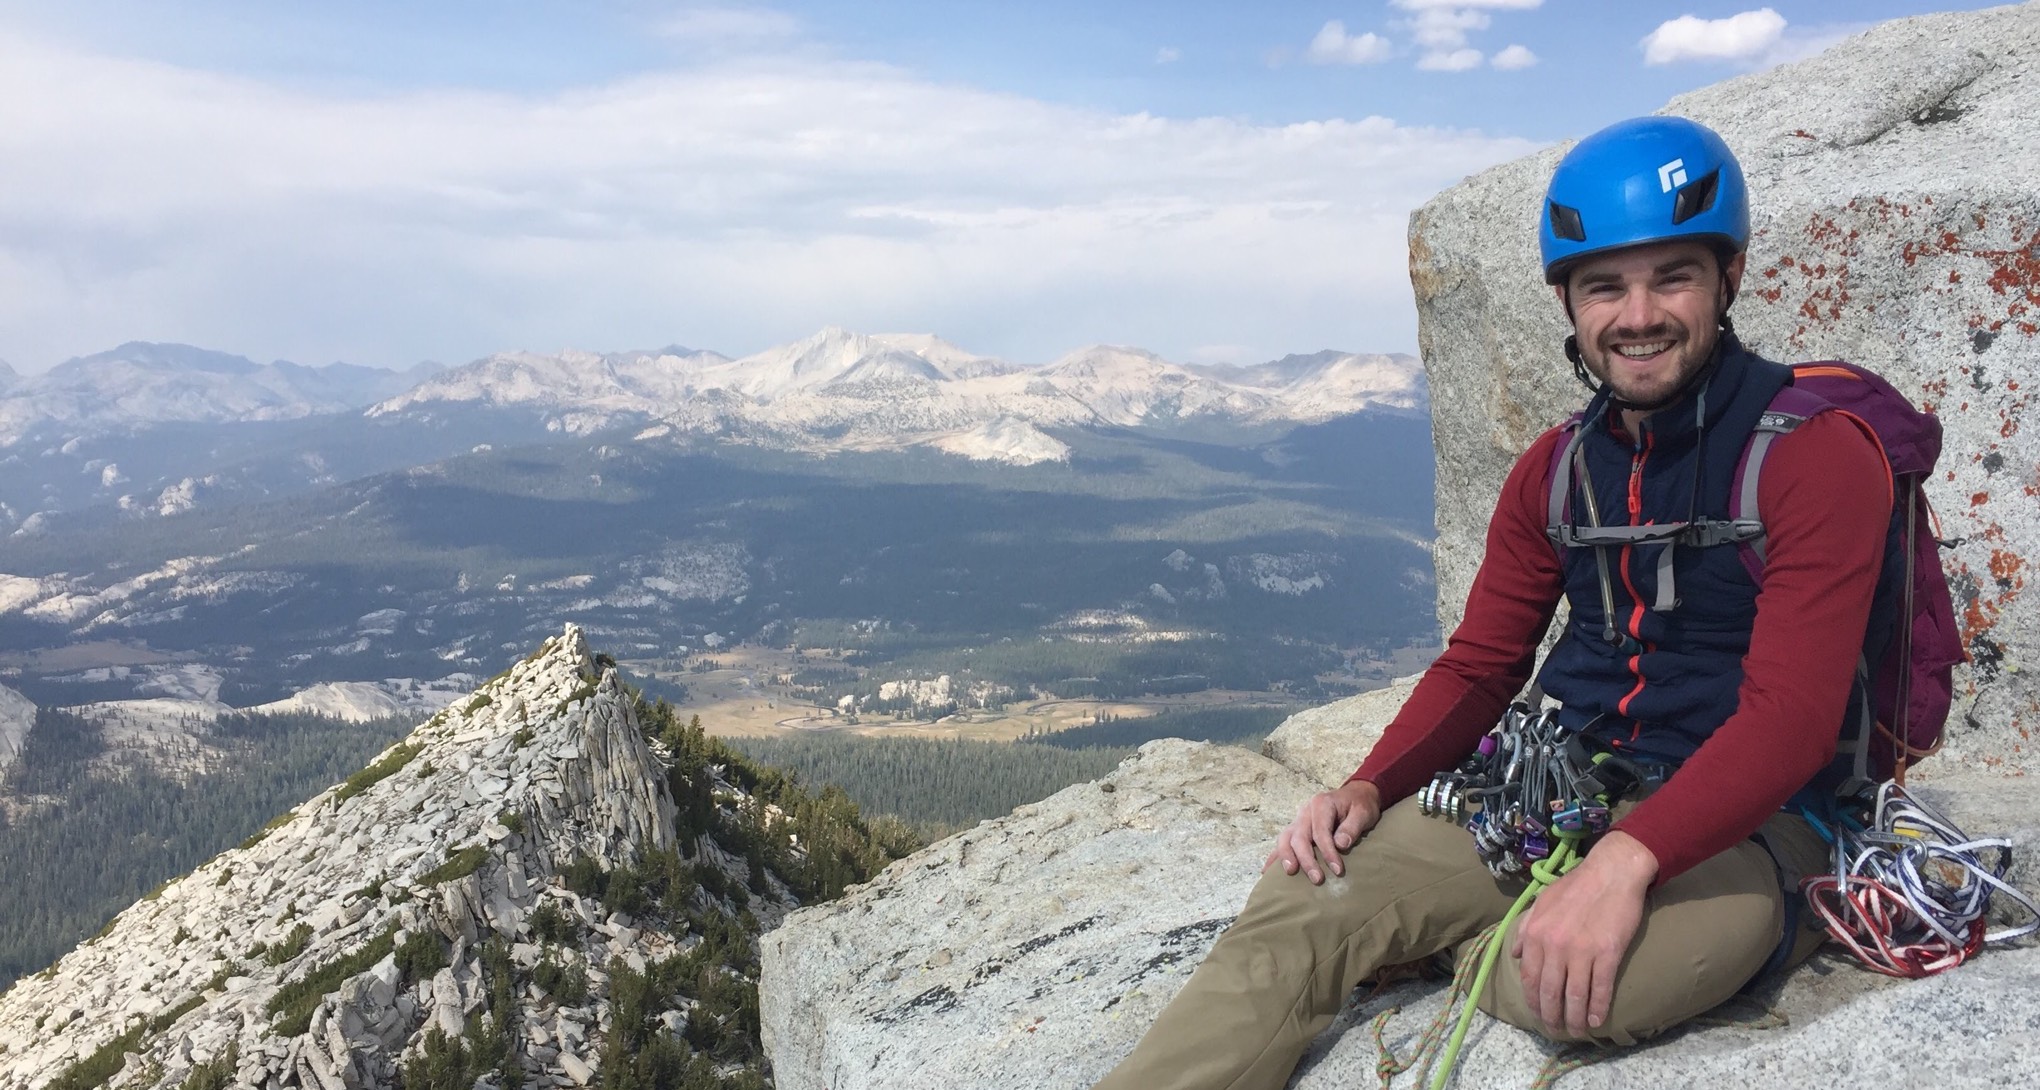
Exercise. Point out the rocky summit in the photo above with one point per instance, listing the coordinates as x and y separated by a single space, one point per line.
1031 952
461 909
1897 224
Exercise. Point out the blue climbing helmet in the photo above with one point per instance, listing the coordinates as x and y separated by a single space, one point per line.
1648 179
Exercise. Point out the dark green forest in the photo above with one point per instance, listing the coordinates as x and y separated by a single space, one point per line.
938 786
918 554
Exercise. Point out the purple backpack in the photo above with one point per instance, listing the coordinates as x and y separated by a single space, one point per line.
1911 688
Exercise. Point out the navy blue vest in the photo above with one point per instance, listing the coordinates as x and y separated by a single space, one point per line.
1672 672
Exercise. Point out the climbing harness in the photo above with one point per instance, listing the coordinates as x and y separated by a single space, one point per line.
1910 894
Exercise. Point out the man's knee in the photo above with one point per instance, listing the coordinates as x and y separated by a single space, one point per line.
1704 935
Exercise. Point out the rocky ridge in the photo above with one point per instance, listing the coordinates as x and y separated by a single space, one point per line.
420 906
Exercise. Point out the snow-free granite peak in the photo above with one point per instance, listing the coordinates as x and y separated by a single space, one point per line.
412 898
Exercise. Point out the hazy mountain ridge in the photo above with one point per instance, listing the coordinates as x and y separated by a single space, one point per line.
840 390
153 430
139 384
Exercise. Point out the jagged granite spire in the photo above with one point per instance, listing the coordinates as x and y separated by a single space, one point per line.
413 900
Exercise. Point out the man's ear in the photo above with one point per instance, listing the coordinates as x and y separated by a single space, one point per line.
1732 272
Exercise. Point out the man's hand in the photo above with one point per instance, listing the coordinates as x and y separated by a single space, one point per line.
1573 939
1327 826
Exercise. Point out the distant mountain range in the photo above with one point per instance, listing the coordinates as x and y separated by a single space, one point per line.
186 516
840 390
140 384
836 390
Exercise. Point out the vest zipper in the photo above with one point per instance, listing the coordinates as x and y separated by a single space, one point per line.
1637 458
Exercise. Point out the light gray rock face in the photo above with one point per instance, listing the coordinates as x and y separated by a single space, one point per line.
17 716
1895 219
1032 950
1327 743
459 839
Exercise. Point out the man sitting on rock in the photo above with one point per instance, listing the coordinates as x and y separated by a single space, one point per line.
1734 696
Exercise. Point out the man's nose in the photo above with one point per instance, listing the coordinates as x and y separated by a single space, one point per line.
1640 311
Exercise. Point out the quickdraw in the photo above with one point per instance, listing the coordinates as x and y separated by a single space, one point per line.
1530 782
1910 894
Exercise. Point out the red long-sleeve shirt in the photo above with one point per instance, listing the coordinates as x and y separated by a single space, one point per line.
1825 495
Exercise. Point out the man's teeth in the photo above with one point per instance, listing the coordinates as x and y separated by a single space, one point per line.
1638 351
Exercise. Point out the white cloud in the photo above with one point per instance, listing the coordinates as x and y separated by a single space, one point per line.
728 206
1334 46
1444 29
1456 60
1168 54
1743 36
727 24
1515 56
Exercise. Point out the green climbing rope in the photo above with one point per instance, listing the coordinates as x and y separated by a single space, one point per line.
1564 857
1485 950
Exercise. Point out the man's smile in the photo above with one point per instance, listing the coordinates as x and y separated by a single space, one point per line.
1643 351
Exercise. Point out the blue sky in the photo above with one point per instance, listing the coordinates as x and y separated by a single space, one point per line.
385 182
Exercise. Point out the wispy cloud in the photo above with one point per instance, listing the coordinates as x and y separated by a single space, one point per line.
1744 36
1334 46
1443 29
1514 57
728 205
1168 54
1446 28
1449 60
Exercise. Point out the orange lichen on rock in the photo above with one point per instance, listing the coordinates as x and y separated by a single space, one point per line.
2005 567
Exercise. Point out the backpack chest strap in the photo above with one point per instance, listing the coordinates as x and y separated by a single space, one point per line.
1746 528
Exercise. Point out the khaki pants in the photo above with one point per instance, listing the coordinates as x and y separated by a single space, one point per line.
1414 887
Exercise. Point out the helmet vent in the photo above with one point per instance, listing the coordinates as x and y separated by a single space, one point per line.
1565 222
1696 198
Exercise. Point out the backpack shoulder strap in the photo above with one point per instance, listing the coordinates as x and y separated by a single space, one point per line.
1790 408
1567 461
1561 477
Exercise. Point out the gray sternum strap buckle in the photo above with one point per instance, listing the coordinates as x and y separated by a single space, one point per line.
1701 534
1719 532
